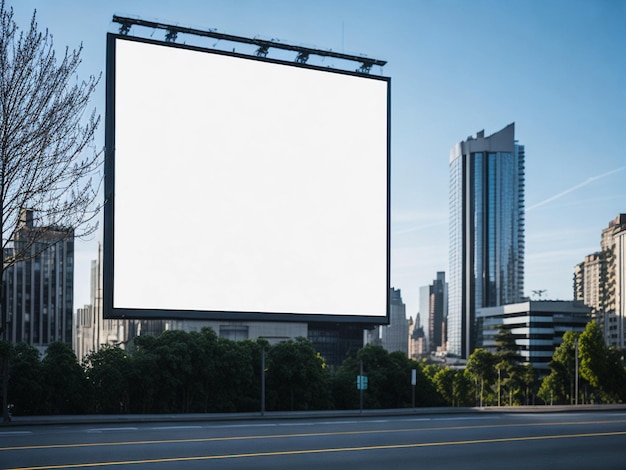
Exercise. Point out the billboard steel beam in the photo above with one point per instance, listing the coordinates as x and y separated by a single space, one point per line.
262 44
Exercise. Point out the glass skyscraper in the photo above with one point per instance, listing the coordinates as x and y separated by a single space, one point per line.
486 232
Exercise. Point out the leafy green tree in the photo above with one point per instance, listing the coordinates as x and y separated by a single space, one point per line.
6 350
144 379
194 372
343 384
389 381
207 393
512 375
506 347
444 380
503 371
600 369
593 355
297 377
454 386
26 387
250 396
65 387
108 371
236 386
206 367
481 369
170 357
600 365
558 387
551 390
375 360
426 393
396 389
528 381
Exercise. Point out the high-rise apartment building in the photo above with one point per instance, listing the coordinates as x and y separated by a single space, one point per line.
589 283
486 231
619 262
600 282
39 287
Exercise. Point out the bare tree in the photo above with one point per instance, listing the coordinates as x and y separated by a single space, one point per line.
47 153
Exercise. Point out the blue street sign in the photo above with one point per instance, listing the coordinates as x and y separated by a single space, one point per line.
361 382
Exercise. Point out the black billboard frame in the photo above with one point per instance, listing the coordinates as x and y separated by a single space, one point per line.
110 312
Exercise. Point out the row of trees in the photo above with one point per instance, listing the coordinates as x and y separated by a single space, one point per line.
601 375
583 370
180 372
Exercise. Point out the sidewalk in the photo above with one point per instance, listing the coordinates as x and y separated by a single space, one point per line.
302 415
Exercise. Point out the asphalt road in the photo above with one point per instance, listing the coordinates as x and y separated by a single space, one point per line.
577 440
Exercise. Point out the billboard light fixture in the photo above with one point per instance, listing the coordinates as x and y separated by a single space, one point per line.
263 45
125 28
262 50
171 35
302 57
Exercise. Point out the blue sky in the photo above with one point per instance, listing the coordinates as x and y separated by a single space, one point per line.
556 68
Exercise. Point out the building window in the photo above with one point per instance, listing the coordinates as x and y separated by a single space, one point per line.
234 332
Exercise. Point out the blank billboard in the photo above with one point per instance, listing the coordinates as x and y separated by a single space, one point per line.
240 188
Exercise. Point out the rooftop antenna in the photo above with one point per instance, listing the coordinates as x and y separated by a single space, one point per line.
539 293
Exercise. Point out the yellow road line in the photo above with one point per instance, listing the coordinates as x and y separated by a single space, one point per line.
322 451
313 434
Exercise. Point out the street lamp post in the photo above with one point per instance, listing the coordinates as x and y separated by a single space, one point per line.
576 371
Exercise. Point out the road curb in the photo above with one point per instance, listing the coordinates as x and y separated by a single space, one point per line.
293 415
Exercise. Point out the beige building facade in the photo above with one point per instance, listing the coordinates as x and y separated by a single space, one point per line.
600 282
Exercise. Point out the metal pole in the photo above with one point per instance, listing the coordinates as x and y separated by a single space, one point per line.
499 386
263 381
413 383
361 390
576 370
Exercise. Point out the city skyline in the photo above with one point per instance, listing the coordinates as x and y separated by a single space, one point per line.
560 79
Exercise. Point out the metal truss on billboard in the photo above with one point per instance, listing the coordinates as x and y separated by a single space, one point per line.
263 45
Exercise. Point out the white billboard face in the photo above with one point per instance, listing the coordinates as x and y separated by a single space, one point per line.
244 187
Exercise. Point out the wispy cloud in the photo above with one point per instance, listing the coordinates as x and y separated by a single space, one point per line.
589 180
418 228
407 221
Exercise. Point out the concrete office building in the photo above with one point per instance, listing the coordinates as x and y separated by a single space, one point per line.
537 326
39 289
486 232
